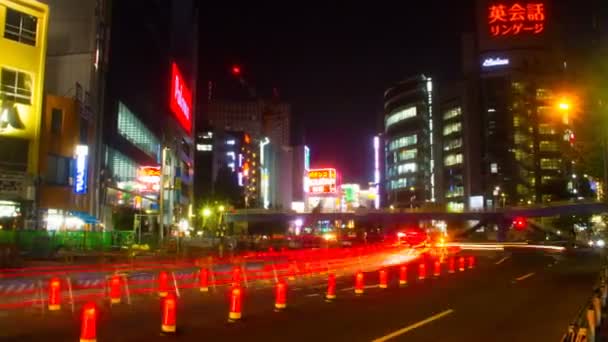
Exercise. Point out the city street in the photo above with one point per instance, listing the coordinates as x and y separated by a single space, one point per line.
506 297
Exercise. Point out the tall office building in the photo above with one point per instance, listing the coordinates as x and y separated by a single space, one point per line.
409 142
23 42
526 137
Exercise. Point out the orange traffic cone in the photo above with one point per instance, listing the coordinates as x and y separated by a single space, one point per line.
403 275
471 262
281 296
421 271
88 323
451 267
461 264
163 284
236 296
331 288
383 275
54 294
168 314
203 281
437 269
115 292
236 276
359 283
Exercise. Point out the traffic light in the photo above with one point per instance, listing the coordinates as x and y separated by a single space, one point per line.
236 70
519 223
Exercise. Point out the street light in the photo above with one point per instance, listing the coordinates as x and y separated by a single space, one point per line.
221 208
206 212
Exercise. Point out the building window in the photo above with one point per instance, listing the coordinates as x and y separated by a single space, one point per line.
452 159
455 191
16 86
20 27
56 120
547 179
452 113
400 116
58 170
406 168
452 144
452 128
403 142
550 163
204 147
548 146
546 129
122 168
399 183
132 129
407 154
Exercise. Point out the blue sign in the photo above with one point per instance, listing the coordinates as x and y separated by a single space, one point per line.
81 169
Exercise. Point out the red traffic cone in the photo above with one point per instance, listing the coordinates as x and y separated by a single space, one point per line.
437 269
403 275
461 264
292 272
383 275
280 302
236 276
54 294
471 262
203 280
451 265
163 284
168 313
331 287
88 323
115 291
236 297
421 271
359 283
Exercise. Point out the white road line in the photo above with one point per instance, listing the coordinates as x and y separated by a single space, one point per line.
502 260
365 287
525 276
297 289
347 289
313 295
413 326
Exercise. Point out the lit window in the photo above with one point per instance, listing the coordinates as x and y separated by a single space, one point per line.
455 191
452 113
403 142
548 146
230 142
204 147
453 159
452 128
20 27
494 168
132 129
406 168
407 154
452 144
546 129
16 86
400 116
550 163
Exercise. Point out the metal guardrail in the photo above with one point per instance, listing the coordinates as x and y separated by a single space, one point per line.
587 322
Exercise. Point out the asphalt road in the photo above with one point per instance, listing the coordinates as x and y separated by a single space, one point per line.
507 297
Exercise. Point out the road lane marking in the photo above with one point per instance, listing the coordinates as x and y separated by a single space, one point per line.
365 287
313 295
413 326
297 289
502 260
525 276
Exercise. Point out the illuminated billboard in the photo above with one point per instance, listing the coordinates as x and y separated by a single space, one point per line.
322 181
513 19
148 178
81 169
181 99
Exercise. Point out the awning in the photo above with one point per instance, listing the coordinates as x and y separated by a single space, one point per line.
86 217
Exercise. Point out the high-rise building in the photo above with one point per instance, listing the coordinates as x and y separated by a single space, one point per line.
149 109
409 142
23 43
526 136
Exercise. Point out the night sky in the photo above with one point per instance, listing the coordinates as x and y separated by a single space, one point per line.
332 63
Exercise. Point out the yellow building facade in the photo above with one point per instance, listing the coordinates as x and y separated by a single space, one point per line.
23 41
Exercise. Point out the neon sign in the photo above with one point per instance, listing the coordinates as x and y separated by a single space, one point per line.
516 19
321 181
81 169
492 62
181 99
